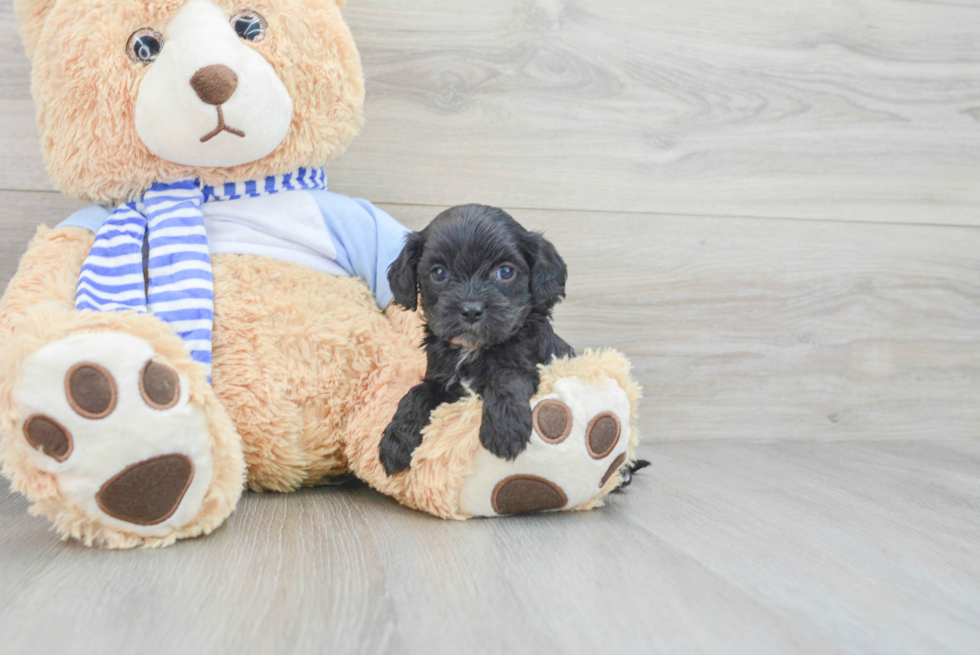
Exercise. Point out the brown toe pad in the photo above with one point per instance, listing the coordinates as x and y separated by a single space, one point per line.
519 494
159 385
552 420
50 436
612 469
91 390
602 435
149 492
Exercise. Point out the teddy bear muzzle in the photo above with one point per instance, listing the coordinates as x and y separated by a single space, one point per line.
208 99
214 85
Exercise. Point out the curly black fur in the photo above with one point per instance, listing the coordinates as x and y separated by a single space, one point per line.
487 287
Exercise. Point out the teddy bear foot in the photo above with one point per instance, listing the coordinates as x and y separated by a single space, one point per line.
580 442
123 445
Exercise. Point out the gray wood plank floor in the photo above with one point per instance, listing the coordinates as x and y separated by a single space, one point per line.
857 109
718 548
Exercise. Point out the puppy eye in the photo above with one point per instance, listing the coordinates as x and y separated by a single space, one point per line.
250 25
440 275
505 272
144 46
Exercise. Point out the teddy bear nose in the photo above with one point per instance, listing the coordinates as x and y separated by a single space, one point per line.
214 84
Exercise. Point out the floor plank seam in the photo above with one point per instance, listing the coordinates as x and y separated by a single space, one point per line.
654 213
704 216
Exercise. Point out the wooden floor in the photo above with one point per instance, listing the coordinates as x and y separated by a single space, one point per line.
717 548
772 208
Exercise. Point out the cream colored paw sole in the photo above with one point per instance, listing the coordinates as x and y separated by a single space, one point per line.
580 439
118 432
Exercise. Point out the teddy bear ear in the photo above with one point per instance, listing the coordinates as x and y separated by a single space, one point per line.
32 14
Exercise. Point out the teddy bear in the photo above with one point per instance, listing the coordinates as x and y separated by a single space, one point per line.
218 319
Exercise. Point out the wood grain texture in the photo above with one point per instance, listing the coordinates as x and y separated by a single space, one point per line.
21 167
846 110
718 548
863 110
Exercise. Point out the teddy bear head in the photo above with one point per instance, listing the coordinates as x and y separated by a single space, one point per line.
132 92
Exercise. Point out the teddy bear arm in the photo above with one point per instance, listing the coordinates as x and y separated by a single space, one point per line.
405 321
48 271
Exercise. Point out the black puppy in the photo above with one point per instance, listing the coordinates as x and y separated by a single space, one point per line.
488 287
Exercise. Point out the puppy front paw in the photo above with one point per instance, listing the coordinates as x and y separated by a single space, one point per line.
505 431
397 445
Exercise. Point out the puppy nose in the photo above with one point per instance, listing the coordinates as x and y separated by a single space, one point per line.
214 84
472 311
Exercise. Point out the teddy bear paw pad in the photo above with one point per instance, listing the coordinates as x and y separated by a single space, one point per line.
116 428
580 440
519 494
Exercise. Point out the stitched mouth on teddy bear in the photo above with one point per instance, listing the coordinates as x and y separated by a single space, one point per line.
222 127
215 85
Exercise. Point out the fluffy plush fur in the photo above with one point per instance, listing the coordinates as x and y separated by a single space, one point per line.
307 370
295 351
488 287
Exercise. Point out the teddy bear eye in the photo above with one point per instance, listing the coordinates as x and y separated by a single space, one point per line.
144 46
250 25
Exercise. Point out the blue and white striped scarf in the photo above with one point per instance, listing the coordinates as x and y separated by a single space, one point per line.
178 286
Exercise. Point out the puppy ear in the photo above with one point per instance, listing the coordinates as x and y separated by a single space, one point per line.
402 274
548 272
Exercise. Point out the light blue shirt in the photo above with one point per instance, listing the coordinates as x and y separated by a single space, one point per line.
355 237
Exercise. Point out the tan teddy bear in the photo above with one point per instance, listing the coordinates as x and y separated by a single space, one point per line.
219 318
